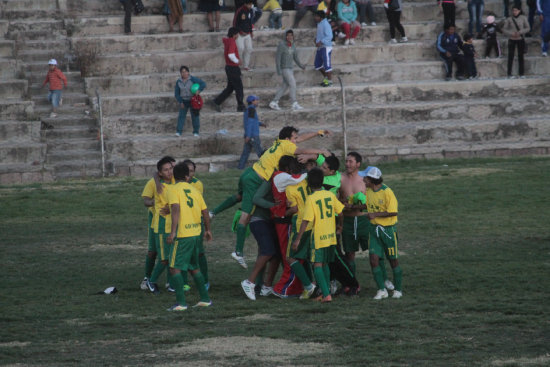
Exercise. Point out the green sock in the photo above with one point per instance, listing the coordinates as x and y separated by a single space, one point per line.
149 265
326 271
352 266
308 270
321 281
157 271
300 272
398 278
203 266
241 236
184 277
382 265
226 204
377 274
199 281
177 284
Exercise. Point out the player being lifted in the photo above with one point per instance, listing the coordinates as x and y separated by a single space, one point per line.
260 172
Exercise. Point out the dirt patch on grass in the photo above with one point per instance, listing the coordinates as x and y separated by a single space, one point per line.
256 317
111 246
228 351
536 361
443 172
14 344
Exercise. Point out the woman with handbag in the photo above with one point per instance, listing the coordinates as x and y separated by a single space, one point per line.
393 13
515 27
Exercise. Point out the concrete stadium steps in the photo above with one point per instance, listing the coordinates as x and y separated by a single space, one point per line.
36 79
19 130
18 173
22 151
312 97
34 29
7 48
17 109
8 68
13 88
69 98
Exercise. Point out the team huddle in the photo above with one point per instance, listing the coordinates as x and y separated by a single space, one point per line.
295 203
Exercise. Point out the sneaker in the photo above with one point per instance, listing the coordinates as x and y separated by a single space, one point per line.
274 105
544 54
216 106
393 41
397 294
404 39
178 134
248 289
196 135
306 294
60 102
211 215
460 77
382 293
511 77
333 286
363 25
143 284
296 106
324 83
522 76
207 286
239 259
352 41
203 304
53 114
389 285
153 287
373 23
266 291
346 42
447 78
341 35
177 307
169 288
186 287
327 299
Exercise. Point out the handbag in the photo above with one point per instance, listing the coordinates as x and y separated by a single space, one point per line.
138 6
525 49
393 5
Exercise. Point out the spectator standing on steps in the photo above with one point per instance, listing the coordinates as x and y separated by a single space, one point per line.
491 29
449 10
449 45
252 125
543 8
232 71
243 22
183 93
176 9
364 7
212 10
284 61
323 55
475 11
302 8
469 56
128 7
393 13
515 27
56 80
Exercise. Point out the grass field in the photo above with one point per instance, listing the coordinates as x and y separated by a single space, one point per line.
475 253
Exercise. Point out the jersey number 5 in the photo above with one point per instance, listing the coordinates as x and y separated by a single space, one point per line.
189 198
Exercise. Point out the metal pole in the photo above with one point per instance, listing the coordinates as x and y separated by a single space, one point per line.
101 133
344 123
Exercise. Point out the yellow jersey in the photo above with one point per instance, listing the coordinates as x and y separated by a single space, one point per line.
161 200
269 161
383 200
296 195
321 208
149 191
197 184
191 205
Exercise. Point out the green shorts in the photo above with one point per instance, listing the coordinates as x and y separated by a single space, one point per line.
151 247
248 185
304 248
355 233
383 241
323 255
162 248
185 253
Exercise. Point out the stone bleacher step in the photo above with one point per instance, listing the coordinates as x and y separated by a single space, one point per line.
69 98
22 151
69 132
16 109
19 130
13 88
8 68
7 48
75 144
67 156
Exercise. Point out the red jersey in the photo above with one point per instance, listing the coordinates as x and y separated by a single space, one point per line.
230 47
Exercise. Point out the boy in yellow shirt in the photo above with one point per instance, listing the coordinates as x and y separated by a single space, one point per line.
276 13
321 208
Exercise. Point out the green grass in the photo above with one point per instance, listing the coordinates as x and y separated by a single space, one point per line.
475 242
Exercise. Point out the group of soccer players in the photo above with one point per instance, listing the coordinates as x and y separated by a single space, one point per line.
295 203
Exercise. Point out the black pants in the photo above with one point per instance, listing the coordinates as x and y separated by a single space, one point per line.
128 7
470 65
458 60
394 18
511 49
234 83
492 43
448 14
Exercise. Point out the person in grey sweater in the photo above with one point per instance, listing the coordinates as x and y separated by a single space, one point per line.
515 27
285 58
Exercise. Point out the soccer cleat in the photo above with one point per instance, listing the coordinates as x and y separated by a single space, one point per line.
186 287
327 299
274 105
248 289
169 288
393 41
266 291
239 259
352 41
346 42
143 284
404 39
203 304
296 106
397 294
306 294
153 287
382 293
177 307
389 285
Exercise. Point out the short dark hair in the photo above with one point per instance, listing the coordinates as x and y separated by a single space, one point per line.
248 1
232 31
190 162
183 67
333 162
320 13
163 161
288 163
290 31
286 132
315 178
357 156
375 181
449 26
467 36
181 171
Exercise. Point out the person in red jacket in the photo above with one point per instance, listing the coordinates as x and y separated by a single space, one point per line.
56 79
232 71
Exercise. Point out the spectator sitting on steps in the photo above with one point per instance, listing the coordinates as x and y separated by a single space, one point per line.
449 45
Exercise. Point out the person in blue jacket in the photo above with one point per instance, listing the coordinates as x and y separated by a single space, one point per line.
449 45
183 95
543 9
252 125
